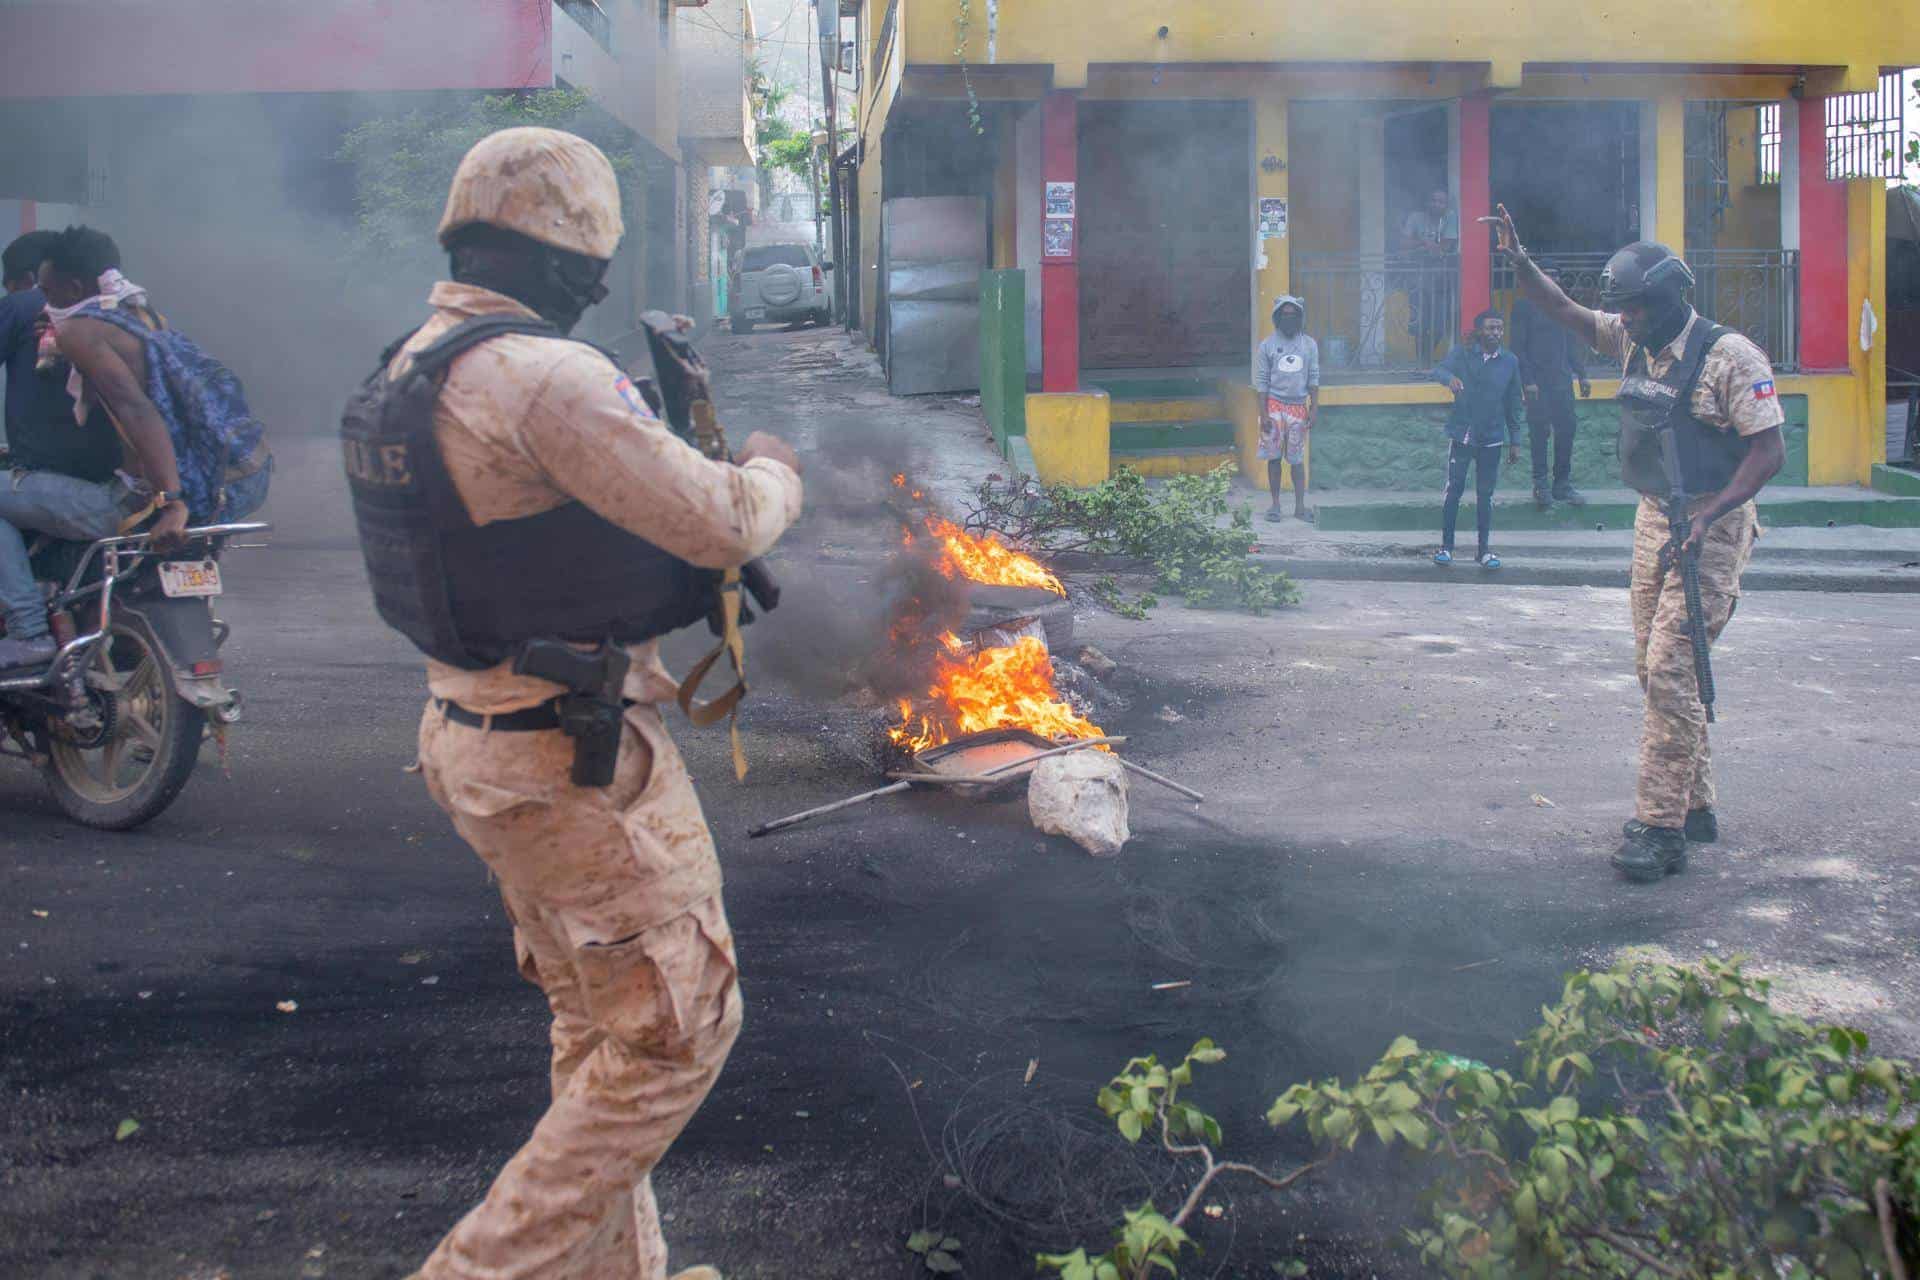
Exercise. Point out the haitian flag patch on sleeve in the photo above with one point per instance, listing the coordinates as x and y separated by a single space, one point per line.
631 394
1763 390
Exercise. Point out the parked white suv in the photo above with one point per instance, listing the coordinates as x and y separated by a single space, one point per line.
780 283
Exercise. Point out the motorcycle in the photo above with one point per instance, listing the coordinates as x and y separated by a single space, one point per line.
115 722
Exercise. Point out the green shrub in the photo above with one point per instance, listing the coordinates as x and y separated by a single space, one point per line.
1665 1121
1174 526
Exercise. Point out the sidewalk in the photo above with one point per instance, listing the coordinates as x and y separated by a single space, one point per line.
1845 557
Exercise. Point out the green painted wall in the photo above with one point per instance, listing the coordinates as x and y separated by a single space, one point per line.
1404 447
1003 353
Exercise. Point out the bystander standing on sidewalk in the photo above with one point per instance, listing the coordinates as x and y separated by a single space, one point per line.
1286 376
1551 361
1485 380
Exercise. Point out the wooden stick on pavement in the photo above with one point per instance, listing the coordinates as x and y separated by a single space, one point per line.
1151 776
791 819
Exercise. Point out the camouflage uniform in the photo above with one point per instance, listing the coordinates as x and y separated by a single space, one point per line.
614 892
1735 392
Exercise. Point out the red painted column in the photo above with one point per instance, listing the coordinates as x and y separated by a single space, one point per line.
1823 246
1060 275
1476 202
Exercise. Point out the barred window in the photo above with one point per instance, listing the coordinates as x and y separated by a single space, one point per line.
1866 132
1766 157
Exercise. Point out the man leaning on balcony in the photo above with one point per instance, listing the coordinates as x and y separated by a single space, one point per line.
1713 389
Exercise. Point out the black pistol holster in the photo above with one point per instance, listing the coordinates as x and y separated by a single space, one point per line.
593 708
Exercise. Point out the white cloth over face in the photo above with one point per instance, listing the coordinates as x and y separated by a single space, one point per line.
115 291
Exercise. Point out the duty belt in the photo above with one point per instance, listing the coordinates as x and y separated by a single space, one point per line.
531 720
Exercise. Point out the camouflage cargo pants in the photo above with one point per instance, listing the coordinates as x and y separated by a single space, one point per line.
1676 764
643 1019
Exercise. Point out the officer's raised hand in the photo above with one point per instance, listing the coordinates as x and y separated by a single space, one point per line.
1502 221
762 445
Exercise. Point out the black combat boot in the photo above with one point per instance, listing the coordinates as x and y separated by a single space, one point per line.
1702 827
1651 853
1568 494
1542 498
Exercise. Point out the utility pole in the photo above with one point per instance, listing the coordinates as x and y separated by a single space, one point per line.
828 29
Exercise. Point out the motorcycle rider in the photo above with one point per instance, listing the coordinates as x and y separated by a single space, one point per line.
614 891
62 479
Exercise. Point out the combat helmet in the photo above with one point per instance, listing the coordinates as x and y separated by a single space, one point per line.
1644 272
548 185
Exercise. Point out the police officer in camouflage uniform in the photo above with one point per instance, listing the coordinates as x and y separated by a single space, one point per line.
522 498
1714 389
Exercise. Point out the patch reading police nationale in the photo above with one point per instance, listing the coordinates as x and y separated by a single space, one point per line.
631 394
1763 390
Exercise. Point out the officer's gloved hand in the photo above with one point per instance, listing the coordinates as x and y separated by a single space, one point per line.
762 445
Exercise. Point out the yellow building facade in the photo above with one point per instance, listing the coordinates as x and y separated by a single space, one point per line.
1162 172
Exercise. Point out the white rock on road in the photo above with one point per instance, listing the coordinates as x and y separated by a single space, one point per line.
1082 796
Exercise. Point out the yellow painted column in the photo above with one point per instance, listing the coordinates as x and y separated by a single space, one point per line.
1867 287
1271 268
1670 171
1006 199
1272 263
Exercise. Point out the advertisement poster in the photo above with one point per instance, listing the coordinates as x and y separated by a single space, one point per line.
1056 240
1059 199
1273 218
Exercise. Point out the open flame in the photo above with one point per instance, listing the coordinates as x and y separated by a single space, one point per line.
986 559
1009 686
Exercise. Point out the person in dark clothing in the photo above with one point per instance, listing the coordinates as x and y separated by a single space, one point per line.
1485 381
1551 360
51 457
41 432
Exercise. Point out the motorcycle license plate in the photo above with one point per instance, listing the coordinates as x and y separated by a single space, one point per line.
756 313
190 577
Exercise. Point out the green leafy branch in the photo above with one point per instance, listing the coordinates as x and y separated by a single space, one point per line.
936 1250
1175 526
1666 1121
962 35
1145 1099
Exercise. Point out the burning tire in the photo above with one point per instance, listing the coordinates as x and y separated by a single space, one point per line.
995 606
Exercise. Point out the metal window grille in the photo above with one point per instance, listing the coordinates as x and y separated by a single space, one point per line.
1767 155
1866 132
591 16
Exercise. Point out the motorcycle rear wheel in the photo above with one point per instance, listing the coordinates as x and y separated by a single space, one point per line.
151 750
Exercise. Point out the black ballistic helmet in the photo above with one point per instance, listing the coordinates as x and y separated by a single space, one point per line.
1644 272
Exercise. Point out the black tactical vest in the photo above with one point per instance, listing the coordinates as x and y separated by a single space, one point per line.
1708 455
470 595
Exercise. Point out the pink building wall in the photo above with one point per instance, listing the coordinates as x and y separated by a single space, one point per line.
89 48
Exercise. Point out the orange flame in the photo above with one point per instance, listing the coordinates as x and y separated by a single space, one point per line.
1006 687
899 480
988 559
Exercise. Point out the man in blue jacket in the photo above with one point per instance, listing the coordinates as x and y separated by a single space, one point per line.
1485 380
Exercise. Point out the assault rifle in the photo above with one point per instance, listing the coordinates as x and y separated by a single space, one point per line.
1679 528
686 402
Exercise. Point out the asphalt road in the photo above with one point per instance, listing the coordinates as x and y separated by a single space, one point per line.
1371 861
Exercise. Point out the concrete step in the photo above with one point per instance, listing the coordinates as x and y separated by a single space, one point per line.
1151 388
1183 460
1519 570
1133 437
1611 509
1168 409
1900 481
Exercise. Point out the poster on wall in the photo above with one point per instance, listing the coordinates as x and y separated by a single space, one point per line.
1059 199
1273 218
1056 240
